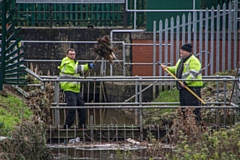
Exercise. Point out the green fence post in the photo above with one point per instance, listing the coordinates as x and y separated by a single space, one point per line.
11 71
3 44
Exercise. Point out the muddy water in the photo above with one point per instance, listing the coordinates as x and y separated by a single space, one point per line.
99 151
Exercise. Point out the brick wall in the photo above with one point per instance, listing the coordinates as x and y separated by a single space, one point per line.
144 54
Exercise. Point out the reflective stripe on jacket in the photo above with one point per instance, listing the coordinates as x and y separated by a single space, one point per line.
70 69
191 70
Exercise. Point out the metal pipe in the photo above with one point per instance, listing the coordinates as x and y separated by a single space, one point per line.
100 133
125 31
145 77
225 88
121 80
136 100
140 111
135 15
124 54
91 126
141 107
133 103
38 41
56 100
86 61
124 60
154 58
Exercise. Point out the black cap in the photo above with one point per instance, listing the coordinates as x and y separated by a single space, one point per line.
187 47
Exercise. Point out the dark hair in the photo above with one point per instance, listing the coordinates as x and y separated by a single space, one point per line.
70 49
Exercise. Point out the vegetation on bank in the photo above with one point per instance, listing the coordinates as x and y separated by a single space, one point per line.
191 140
23 127
13 111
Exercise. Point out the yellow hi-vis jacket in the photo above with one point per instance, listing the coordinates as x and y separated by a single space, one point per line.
70 69
191 70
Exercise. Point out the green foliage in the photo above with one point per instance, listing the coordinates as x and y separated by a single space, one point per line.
13 110
27 142
161 116
220 145
168 96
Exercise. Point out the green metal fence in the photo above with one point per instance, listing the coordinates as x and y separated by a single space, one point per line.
80 15
37 13
12 70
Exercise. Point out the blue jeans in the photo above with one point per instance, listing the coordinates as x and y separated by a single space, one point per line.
75 99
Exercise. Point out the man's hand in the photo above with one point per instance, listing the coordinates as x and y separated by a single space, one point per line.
91 65
164 66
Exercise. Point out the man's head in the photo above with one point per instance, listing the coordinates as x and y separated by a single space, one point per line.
71 53
185 50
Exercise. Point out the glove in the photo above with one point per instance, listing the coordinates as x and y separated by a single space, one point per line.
90 65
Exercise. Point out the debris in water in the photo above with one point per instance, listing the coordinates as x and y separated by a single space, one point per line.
73 141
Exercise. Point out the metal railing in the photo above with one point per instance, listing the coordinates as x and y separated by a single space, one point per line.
138 105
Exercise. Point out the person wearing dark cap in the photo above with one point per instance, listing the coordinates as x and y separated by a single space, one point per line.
188 68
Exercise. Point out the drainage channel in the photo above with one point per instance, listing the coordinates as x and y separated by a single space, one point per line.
98 151
104 141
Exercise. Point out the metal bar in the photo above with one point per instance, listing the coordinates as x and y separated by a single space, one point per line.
225 102
160 46
218 40
140 112
212 42
132 103
171 42
229 37
206 42
3 45
177 39
223 37
120 80
235 28
124 60
189 28
136 101
201 36
154 58
145 106
92 132
183 28
135 15
56 100
154 48
145 77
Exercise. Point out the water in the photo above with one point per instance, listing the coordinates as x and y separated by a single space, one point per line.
98 151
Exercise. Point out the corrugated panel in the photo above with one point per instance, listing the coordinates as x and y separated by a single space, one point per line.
167 5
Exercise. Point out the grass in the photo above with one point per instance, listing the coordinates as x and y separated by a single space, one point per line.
158 115
13 110
168 96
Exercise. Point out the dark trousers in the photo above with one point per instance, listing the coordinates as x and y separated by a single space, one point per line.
75 99
188 99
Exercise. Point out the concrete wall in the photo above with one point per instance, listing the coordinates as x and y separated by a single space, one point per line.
56 51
